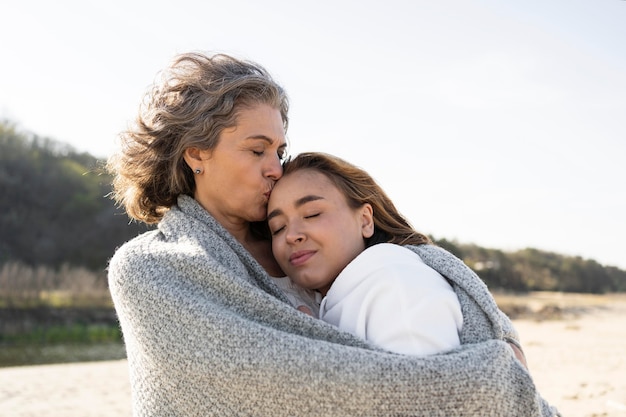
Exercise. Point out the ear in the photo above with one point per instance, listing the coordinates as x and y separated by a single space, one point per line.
194 157
367 220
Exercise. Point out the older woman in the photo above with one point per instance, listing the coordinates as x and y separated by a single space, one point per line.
207 329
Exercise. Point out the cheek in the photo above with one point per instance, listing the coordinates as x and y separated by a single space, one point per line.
277 249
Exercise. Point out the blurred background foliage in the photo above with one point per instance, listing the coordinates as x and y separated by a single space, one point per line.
535 270
53 205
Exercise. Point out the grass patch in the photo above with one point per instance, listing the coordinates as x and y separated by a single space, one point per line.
49 335
61 344
75 333
60 353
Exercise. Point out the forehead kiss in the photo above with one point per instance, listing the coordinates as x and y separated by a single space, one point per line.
297 189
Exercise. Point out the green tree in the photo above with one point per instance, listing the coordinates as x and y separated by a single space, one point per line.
53 205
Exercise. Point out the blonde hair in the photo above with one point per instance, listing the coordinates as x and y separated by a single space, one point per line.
196 98
358 187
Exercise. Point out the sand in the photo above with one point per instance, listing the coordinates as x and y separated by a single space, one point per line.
579 363
87 389
577 360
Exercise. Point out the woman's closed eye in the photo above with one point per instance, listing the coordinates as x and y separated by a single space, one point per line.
281 153
277 230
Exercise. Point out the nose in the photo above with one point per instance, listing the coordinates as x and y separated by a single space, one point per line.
294 237
274 169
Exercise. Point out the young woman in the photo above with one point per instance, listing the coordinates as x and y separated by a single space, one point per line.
335 230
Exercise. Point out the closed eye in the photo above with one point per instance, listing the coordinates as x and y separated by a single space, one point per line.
310 216
277 231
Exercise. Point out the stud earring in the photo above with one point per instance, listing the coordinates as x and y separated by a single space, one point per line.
198 171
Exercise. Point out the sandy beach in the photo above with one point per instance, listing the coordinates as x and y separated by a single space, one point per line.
578 361
577 358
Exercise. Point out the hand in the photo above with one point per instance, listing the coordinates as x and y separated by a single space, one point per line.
306 310
519 354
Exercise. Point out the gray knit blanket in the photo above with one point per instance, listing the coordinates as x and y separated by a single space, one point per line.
208 333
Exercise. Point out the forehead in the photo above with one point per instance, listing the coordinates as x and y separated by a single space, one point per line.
305 183
258 121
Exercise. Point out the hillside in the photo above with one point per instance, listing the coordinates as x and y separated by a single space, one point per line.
53 205
535 270
54 212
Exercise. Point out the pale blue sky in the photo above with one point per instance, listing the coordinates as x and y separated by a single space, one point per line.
496 122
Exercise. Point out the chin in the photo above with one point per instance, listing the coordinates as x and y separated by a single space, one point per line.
258 216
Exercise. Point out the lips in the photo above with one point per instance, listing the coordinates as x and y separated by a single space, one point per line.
300 257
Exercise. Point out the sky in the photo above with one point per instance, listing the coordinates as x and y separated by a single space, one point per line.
495 122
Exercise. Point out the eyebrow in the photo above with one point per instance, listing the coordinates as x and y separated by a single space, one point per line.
298 203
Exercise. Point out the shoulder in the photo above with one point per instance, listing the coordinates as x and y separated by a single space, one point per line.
395 261
152 253
387 267
383 255
433 254
139 253
135 247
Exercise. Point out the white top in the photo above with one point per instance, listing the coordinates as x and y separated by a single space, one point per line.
299 296
389 296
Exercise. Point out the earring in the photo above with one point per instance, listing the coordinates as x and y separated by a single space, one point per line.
198 171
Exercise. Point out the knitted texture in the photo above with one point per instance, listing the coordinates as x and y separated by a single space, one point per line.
208 333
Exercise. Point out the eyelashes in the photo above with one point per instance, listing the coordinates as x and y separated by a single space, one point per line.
282 154
277 231
281 228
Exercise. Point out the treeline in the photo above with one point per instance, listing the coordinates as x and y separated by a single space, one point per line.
53 205
535 270
55 214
